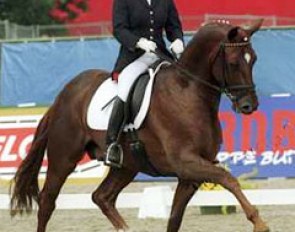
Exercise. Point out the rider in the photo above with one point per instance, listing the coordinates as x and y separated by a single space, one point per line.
138 26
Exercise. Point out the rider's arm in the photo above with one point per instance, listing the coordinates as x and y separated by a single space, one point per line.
121 26
173 26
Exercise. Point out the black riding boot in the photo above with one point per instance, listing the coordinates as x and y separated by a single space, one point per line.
114 156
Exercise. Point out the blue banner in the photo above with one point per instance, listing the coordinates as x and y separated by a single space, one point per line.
262 142
37 71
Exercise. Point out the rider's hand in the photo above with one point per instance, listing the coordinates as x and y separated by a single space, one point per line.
146 45
177 47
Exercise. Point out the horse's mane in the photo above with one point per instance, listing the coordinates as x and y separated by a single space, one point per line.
218 24
211 31
215 27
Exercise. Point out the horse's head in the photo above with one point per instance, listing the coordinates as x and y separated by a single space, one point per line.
232 62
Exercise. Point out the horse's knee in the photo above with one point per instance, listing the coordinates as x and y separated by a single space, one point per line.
97 198
47 196
101 201
230 182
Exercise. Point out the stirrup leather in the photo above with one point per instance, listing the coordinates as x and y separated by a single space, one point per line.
114 156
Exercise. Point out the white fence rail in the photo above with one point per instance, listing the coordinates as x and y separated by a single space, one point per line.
201 198
22 121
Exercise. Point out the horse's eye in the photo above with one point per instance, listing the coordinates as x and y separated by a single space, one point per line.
235 65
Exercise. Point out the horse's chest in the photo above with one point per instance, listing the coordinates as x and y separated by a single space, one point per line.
208 139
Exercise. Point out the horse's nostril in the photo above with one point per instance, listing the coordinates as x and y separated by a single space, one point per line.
246 108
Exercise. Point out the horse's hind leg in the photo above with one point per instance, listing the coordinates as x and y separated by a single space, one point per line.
106 194
184 192
62 160
201 170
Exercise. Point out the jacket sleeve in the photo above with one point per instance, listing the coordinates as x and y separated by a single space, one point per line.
173 26
121 28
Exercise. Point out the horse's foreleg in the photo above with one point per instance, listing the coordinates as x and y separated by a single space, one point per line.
184 192
201 170
106 194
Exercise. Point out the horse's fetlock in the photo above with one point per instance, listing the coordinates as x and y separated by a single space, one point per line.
253 215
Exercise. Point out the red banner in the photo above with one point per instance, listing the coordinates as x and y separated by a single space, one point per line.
14 146
186 8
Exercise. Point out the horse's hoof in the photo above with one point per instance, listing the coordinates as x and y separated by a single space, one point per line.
261 227
265 229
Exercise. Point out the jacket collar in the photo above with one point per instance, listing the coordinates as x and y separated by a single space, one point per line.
153 3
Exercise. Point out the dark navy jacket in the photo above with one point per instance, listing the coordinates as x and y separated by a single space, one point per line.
133 19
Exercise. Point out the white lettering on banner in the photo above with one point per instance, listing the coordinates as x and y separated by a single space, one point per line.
6 155
23 147
2 141
251 157
7 145
237 156
267 158
276 158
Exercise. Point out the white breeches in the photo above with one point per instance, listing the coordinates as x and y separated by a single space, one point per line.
131 72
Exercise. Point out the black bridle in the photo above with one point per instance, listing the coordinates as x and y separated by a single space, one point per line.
224 88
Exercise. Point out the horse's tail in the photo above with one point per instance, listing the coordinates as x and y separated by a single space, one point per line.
24 187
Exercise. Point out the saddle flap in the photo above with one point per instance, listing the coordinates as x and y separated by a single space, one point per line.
100 107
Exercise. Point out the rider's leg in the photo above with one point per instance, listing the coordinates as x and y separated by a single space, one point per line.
129 75
126 79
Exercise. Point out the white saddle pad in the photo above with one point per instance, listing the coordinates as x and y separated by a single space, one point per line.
98 115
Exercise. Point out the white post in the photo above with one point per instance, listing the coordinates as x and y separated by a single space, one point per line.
155 202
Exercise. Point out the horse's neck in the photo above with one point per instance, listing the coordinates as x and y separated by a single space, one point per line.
197 53
196 61
192 95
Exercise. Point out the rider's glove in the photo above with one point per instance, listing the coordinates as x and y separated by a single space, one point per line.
146 45
177 47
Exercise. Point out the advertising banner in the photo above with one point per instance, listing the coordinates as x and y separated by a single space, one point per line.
48 66
15 142
262 143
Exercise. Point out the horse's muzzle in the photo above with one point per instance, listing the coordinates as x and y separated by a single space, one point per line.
246 105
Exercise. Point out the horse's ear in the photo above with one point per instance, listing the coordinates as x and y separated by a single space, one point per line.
232 34
252 27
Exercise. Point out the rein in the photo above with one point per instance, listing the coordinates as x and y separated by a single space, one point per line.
185 71
224 88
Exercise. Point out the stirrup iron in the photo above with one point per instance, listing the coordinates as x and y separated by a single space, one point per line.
114 156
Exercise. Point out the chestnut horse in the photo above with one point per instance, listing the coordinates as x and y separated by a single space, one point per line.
182 132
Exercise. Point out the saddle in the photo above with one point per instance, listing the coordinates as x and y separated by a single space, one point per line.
136 108
132 108
137 92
